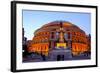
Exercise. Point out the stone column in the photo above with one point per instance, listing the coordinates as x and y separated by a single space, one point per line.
52 42
70 41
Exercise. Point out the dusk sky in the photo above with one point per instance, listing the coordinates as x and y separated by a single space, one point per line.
32 20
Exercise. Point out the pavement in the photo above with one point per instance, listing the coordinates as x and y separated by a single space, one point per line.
40 58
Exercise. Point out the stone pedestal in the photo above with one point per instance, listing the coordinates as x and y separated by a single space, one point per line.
60 54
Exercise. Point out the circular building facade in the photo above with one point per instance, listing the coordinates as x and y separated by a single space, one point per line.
59 35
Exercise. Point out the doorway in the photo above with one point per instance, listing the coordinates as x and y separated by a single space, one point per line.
60 57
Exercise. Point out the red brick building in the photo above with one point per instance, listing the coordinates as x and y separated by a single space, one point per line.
59 34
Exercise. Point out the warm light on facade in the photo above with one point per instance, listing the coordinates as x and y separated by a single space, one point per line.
61 45
54 35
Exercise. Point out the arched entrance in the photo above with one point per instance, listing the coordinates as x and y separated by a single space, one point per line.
60 57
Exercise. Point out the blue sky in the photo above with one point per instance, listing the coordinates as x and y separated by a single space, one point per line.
32 20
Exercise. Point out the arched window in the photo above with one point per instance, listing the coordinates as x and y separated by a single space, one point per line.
57 35
66 36
52 35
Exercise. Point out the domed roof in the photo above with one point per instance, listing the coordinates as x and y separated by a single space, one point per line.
58 24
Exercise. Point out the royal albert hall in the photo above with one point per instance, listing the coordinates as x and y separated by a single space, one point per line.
59 36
